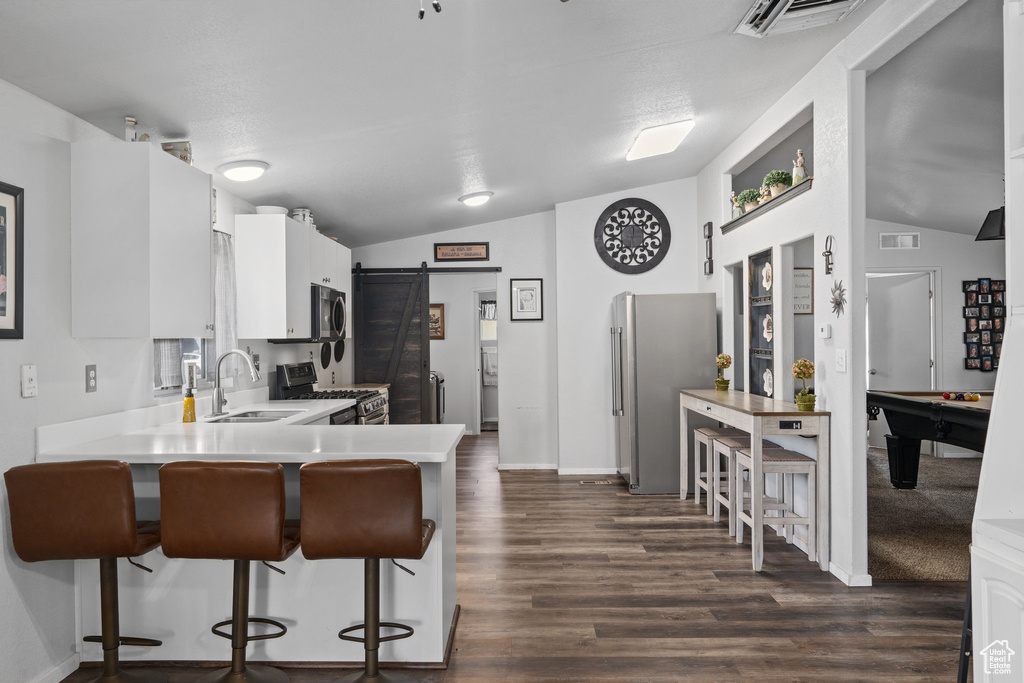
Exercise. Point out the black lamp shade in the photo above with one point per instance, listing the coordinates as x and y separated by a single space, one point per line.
994 227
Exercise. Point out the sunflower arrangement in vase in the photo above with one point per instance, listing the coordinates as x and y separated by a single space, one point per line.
803 370
723 361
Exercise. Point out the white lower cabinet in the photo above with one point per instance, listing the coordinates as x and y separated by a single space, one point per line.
141 243
272 266
997 585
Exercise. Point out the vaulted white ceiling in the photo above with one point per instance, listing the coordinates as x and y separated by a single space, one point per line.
935 125
378 121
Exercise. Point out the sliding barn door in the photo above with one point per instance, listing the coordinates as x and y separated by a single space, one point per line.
392 341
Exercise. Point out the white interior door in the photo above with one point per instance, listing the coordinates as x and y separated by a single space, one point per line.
900 337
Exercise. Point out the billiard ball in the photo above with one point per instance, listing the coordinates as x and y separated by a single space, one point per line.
946 396
959 397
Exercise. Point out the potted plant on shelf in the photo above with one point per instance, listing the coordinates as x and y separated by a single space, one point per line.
748 198
723 361
803 370
778 182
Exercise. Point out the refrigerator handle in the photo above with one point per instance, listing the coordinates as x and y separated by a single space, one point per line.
617 371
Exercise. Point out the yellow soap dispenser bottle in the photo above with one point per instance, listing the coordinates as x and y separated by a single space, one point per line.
189 413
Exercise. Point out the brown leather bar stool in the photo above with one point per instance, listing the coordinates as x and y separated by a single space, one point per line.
84 511
230 511
370 509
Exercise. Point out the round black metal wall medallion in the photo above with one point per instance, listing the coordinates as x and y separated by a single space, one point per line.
632 236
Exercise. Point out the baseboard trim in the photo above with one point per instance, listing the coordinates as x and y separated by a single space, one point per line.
527 466
577 471
61 671
852 580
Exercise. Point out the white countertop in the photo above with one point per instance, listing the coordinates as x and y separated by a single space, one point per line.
289 440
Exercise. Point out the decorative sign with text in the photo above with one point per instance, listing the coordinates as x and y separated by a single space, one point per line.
462 251
803 291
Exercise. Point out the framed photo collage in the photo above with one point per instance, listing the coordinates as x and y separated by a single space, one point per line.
984 318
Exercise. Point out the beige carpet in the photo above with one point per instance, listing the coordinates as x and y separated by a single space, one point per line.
921 534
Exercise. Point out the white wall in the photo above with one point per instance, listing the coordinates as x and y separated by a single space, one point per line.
528 405
835 206
955 258
586 286
456 354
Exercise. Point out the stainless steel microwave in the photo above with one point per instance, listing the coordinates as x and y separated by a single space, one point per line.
328 314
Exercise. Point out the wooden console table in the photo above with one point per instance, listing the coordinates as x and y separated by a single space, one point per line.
760 417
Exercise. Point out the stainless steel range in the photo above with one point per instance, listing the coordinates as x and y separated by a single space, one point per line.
297 381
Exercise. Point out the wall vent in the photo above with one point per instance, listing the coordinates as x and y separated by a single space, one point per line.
899 240
785 16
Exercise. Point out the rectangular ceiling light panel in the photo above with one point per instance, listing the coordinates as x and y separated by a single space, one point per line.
659 140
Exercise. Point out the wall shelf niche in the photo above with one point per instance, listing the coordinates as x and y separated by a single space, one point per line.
782 198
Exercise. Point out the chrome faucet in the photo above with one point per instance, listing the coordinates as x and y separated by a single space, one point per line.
218 393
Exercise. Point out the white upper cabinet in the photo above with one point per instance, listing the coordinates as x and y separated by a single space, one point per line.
344 283
141 243
272 274
323 261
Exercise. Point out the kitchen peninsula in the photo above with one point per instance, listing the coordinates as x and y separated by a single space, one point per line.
182 599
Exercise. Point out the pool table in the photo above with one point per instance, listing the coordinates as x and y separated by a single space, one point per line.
914 416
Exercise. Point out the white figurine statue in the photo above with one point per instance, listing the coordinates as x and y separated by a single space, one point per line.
799 170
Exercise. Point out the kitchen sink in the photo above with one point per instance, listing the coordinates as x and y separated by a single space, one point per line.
257 416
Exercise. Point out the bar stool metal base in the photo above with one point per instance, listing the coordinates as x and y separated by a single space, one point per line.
254 673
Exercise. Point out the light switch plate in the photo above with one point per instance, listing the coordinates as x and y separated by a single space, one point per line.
29 383
90 379
840 360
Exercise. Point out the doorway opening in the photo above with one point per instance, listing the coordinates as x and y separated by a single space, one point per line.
487 334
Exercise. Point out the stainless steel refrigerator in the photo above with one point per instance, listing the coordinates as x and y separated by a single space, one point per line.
660 343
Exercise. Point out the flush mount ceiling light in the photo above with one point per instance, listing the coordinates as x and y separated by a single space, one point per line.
476 198
659 140
242 171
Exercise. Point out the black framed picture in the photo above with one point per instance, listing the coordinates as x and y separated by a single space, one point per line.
986 312
972 351
998 324
998 311
972 337
984 298
986 364
970 285
987 350
972 364
998 298
999 350
527 299
998 285
12 262
970 298
972 325
985 324
997 337
984 285
972 311
986 337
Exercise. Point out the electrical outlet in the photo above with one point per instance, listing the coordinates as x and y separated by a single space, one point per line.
840 360
29 383
90 379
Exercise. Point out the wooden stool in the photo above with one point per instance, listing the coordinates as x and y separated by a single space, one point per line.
725 447
229 511
703 436
369 509
786 463
84 511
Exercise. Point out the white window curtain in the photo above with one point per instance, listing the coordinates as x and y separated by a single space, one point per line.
167 353
225 305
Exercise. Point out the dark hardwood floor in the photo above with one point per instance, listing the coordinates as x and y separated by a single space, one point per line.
563 581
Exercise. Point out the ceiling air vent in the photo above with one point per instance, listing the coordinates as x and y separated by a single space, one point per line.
899 240
784 16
